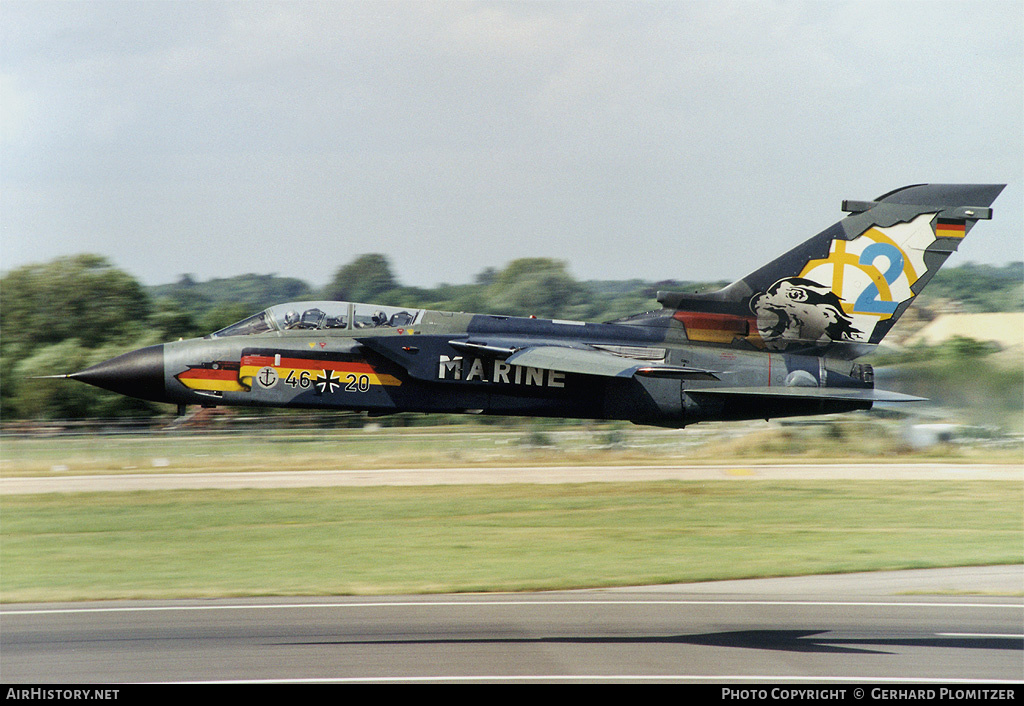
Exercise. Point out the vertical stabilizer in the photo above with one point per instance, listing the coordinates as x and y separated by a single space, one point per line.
841 291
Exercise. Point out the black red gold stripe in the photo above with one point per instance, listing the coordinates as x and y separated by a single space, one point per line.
948 228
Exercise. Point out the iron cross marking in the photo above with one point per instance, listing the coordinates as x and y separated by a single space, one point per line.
328 381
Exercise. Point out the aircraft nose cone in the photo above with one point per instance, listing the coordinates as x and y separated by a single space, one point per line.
136 374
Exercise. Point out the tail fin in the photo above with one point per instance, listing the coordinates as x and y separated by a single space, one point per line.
840 292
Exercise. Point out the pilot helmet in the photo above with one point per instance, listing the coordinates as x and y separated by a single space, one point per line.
291 318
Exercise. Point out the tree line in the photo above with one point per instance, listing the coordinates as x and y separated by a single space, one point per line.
67 314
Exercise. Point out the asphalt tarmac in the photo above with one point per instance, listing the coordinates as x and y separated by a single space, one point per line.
946 626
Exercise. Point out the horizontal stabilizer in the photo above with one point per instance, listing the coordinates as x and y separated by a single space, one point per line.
851 394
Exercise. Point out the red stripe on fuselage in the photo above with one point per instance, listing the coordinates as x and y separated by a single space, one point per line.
308 364
208 374
714 322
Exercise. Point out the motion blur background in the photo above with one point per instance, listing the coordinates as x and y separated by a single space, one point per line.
505 157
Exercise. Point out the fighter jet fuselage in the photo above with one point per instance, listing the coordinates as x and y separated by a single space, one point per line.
779 342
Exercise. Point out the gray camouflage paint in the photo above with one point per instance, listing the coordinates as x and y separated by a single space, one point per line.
778 342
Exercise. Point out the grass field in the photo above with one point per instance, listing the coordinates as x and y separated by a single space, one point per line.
488 538
493 538
258 447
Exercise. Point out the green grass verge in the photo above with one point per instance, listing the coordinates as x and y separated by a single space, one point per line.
856 440
491 538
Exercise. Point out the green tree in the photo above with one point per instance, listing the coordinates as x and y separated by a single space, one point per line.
221 316
55 317
64 399
980 288
255 292
174 321
538 287
82 297
362 280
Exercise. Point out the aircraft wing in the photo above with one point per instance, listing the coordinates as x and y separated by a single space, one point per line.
587 360
850 394
593 362
413 355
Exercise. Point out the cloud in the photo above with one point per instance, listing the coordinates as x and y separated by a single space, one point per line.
662 139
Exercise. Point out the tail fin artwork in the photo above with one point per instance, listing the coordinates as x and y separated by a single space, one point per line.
840 292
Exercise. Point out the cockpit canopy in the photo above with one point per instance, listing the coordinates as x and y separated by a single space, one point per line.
320 315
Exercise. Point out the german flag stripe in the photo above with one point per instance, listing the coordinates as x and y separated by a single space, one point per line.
714 328
295 367
718 322
208 374
261 361
950 229
211 379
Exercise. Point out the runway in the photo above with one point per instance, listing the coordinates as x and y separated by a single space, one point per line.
907 627
937 626
162 480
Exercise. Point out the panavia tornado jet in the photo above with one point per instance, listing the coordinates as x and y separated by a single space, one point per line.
779 342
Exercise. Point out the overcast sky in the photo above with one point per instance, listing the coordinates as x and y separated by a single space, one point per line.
656 140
